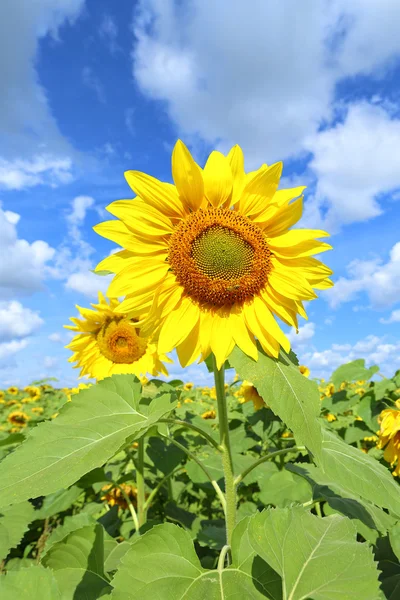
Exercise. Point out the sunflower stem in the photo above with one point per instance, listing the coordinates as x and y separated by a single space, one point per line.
142 517
230 488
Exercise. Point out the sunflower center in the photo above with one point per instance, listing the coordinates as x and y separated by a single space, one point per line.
221 253
219 256
119 342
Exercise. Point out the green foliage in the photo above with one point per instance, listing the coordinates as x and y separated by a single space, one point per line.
34 583
352 371
14 521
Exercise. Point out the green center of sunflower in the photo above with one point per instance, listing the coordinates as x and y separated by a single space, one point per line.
220 253
118 341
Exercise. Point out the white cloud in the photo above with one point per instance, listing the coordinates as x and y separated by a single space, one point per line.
355 161
9 348
50 362
393 318
80 205
25 116
261 74
55 337
88 283
17 321
379 280
109 32
24 265
42 169
372 348
90 79
306 332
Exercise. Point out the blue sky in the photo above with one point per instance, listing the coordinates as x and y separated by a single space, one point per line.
92 88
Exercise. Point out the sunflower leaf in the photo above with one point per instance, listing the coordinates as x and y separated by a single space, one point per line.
293 397
163 564
316 558
14 521
87 432
33 583
353 371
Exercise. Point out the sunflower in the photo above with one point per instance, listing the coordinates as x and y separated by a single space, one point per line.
114 496
212 258
209 414
304 370
108 343
13 390
389 436
250 393
18 418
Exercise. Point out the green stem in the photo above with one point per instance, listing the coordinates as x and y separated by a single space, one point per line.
263 459
227 463
130 506
194 428
155 491
140 483
204 469
222 557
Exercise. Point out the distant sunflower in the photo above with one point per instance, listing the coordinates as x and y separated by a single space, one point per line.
212 258
389 437
18 418
304 370
13 390
109 343
250 394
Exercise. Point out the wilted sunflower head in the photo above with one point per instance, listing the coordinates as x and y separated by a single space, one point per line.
212 259
13 390
108 343
17 418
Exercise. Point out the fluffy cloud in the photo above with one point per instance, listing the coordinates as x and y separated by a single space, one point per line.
17 321
261 74
90 79
87 283
56 337
379 280
25 117
372 348
25 264
109 32
354 161
393 318
303 337
9 348
42 169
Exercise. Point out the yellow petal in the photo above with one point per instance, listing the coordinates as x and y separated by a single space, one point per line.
290 284
260 189
268 343
189 349
235 159
222 342
144 274
178 325
268 322
283 219
323 285
162 196
187 176
240 333
218 180
280 307
115 262
136 214
117 232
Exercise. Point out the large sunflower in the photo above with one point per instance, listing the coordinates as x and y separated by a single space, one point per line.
109 343
211 259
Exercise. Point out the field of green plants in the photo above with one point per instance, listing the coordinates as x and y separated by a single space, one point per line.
117 489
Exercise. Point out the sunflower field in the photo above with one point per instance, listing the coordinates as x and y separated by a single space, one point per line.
84 516
267 485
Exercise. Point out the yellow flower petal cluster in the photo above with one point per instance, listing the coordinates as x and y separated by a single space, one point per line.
250 394
109 343
389 437
209 414
114 495
304 370
13 390
18 418
212 259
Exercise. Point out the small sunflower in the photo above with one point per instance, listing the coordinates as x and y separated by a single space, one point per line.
330 417
250 393
209 414
389 437
2 394
17 418
38 410
188 386
304 370
114 496
211 260
109 343
13 390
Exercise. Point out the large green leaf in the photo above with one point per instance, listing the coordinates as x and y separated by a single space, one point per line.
290 395
58 502
359 473
283 489
389 566
353 371
316 558
368 518
14 521
78 563
87 432
34 583
70 524
163 564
